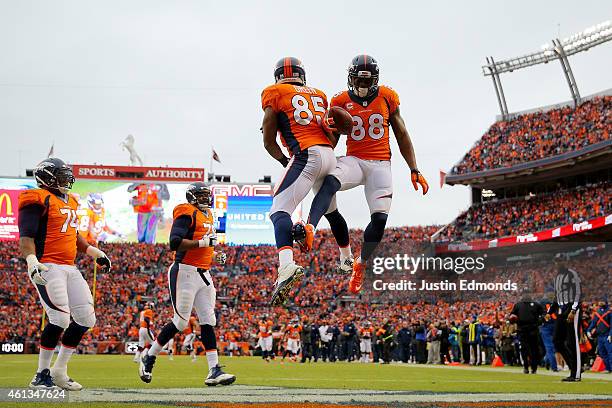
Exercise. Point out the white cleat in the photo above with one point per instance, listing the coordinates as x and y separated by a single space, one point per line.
62 380
216 376
346 266
289 276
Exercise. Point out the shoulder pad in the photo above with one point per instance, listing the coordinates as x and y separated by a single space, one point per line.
32 196
183 209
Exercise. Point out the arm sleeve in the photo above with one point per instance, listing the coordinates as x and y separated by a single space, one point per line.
29 219
180 228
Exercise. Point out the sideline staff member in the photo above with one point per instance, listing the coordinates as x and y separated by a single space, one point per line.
529 314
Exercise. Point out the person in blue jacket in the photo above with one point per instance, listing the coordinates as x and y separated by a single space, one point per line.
601 327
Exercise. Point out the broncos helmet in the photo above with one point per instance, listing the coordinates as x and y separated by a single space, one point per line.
199 195
363 76
54 175
95 201
290 70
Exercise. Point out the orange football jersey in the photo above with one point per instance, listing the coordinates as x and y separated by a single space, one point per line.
369 139
56 240
300 111
265 328
146 313
366 333
191 326
202 224
294 332
92 224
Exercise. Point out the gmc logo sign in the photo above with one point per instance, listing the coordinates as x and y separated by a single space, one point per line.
96 171
245 190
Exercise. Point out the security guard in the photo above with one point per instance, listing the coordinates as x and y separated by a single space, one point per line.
601 327
529 315
567 308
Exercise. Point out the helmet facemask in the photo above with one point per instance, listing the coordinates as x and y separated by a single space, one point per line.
363 84
201 198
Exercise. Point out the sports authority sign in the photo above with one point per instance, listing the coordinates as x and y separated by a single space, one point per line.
128 173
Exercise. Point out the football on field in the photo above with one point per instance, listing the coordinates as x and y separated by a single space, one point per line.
342 119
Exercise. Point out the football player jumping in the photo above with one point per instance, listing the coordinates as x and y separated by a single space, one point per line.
49 241
191 286
298 113
367 163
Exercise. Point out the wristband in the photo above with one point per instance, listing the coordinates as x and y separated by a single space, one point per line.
30 259
94 252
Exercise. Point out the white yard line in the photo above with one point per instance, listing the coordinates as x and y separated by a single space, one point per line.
244 393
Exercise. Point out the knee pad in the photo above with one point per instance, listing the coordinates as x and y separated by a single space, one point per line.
58 318
84 315
379 221
50 336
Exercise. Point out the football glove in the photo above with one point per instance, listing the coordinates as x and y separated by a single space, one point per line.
100 257
418 179
34 270
284 161
220 258
207 241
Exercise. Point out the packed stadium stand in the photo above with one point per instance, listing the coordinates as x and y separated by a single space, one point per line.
540 135
535 172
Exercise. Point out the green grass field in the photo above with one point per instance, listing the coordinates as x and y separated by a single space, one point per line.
120 372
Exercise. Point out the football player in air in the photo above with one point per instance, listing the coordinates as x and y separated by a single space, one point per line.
191 286
92 221
145 332
298 113
49 241
367 163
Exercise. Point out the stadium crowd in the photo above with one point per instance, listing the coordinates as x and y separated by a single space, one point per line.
516 216
332 325
539 135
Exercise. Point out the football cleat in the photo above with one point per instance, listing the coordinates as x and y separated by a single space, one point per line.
145 368
346 266
356 281
571 379
303 235
62 380
216 376
288 276
43 381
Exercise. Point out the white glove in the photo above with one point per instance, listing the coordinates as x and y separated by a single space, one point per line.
220 258
207 241
34 270
609 339
99 256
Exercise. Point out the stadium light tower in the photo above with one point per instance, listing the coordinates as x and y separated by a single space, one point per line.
558 49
